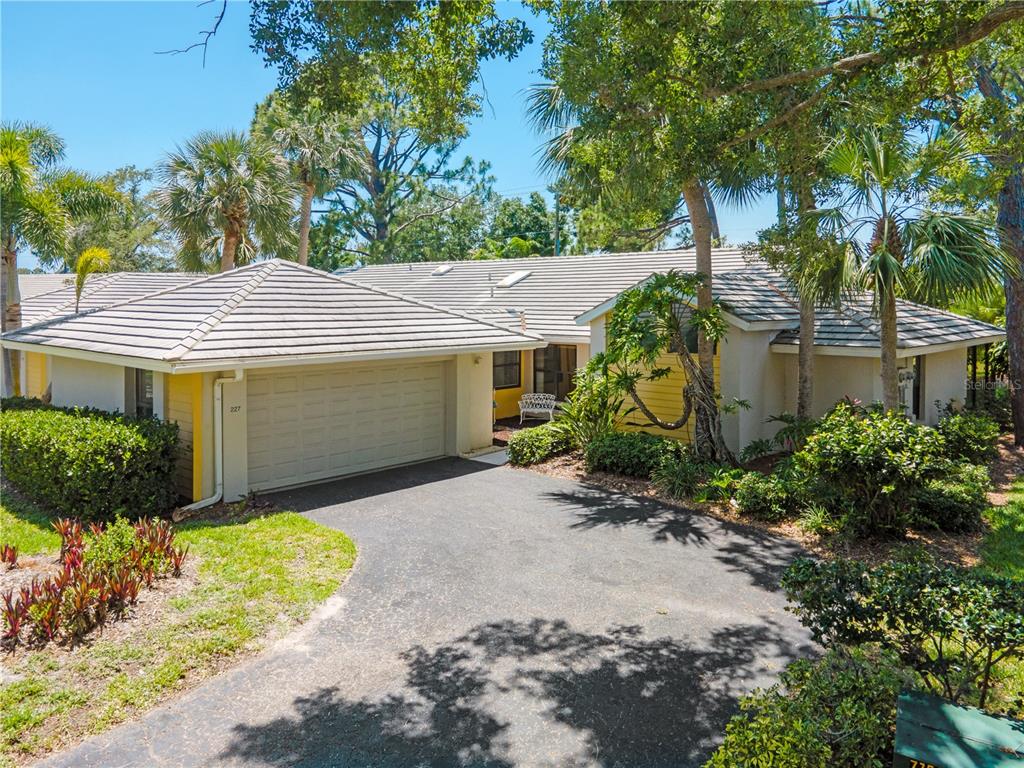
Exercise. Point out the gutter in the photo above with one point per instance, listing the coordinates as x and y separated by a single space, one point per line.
218 441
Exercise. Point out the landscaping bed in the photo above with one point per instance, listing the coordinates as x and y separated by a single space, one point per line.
252 574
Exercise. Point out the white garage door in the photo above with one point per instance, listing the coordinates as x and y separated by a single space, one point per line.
325 421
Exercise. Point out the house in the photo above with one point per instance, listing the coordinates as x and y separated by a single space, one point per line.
276 374
281 375
567 302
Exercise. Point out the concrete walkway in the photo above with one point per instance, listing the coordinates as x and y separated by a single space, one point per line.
495 617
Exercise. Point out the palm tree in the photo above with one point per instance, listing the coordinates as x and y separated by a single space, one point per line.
39 202
228 196
929 255
314 141
90 261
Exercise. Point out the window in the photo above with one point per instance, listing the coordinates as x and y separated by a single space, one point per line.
554 367
507 370
143 393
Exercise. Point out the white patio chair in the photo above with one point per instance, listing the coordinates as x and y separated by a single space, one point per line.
537 404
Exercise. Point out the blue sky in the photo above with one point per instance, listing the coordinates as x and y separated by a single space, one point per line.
90 71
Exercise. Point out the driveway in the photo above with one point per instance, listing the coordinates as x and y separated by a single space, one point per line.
495 617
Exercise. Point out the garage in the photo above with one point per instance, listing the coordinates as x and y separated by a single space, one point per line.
317 422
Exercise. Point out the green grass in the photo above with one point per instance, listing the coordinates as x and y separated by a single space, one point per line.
1002 553
26 527
255 580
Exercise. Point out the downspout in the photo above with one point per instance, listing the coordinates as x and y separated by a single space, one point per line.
218 441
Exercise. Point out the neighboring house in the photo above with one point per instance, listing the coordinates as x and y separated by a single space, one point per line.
276 374
567 302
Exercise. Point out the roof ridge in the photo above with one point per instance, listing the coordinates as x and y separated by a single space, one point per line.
401 296
212 319
564 257
52 316
105 277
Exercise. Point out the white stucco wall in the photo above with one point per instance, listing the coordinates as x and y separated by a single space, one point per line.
598 332
749 370
236 452
469 402
944 379
835 377
83 382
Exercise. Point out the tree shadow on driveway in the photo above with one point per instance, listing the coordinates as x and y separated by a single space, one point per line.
535 692
743 549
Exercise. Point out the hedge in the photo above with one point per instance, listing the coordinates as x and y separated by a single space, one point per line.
537 444
635 454
87 463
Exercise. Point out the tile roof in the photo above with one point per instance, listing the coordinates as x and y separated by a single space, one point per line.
269 311
853 326
30 285
552 295
100 290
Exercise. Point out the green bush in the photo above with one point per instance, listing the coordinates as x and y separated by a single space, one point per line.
108 550
765 497
635 454
837 712
594 407
679 473
88 463
954 502
953 626
536 444
969 436
875 462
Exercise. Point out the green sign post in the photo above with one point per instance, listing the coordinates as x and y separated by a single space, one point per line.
932 733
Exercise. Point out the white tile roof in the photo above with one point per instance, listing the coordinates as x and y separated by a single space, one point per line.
554 293
267 313
100 290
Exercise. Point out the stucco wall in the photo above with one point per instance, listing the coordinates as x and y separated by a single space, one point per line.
945 379
836 377
470 389
37 374
750 371
83 382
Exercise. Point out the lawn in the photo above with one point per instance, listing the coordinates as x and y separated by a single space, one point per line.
255 578
1003 554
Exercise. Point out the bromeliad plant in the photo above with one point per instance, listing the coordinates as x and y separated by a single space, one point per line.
101 575
656 319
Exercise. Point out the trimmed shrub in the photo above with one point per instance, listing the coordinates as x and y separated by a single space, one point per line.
837 712
86 462
875 462
679 473
954 502
765 497
536 444
969 436
635 454
953 626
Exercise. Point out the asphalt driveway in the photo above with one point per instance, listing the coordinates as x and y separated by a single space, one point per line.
495 617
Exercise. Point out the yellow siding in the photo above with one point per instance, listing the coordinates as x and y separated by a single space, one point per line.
180 389
36 374
665 398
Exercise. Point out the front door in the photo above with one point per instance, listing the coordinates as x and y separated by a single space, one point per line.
553 369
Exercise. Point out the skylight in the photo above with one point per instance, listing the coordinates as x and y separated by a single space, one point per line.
444 269
516 277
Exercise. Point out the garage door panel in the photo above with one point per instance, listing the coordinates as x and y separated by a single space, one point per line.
308 426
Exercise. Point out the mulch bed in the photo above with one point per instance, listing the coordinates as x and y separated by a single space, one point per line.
954 548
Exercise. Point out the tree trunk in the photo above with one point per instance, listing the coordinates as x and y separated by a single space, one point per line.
808 314
805 360
1010 218
700 220
305 217
890 382
10 318
716 233
227 253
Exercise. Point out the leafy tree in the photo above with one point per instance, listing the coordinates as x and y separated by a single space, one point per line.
529 221
428 51
931 255
229 197
316 144
89 262
392 177
449 235
39 202
134 233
